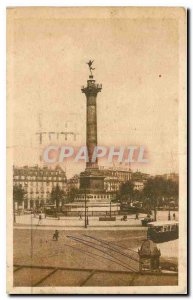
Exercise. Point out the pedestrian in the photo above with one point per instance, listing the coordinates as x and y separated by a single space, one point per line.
80 217
174 216
40 218
56 235
124 218
169 217
137 216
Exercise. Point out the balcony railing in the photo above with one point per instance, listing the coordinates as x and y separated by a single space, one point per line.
92 85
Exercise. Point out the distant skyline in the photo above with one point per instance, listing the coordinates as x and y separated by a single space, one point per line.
136 61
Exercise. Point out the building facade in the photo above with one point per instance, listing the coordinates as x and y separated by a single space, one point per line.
139 185
114 177
139 179
73 183
171 176
38 183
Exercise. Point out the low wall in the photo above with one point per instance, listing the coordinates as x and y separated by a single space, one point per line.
90 213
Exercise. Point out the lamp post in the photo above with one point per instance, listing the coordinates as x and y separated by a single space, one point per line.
85 220
169 215
87 217
110 208
155 210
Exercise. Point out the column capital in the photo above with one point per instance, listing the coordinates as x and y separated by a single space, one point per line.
92 88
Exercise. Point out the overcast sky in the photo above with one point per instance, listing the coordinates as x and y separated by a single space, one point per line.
136 60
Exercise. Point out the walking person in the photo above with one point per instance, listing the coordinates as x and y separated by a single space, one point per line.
56 235
40 218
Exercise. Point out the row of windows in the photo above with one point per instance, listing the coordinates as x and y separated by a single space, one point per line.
34 197
111 184
39 192
42 184
41 173
27 178
38 196
112 188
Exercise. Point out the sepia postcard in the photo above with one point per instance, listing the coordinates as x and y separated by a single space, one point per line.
96 150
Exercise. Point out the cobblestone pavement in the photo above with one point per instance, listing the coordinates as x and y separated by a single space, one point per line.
81 257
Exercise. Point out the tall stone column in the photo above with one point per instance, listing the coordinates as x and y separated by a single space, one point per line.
91 91
91 179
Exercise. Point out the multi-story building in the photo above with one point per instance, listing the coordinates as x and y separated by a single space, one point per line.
139 179
38 183
139 176
171 176
73 182
138 185
114 177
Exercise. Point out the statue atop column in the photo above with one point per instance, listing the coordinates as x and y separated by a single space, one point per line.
89 63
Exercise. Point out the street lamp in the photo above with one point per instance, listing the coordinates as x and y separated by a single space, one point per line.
14 217
87 216
85 220
169 215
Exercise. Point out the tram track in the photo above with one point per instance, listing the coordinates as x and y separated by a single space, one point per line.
94 246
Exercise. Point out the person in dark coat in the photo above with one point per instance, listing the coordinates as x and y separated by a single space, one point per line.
56 235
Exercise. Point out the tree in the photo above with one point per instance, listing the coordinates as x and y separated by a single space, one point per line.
127 190
72 193
172 189
57 196
156 189
18 196
138 195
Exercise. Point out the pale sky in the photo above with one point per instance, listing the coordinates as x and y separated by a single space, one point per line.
136 60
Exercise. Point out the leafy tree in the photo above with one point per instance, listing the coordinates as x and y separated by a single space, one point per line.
18 194
127 190
18 197
172 189
57 196
156 189
72 193
138 195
